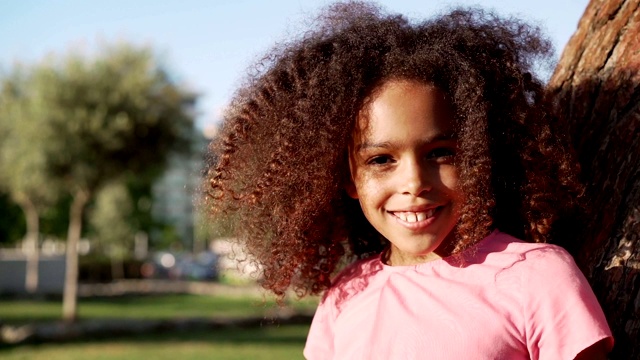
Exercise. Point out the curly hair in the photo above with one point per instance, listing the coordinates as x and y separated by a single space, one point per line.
281 160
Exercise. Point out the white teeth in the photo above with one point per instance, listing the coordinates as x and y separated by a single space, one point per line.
410 216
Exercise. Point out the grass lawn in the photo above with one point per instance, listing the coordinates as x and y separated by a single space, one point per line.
285 342
145 307
268 342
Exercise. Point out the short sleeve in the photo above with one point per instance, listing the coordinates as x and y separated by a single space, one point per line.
320 339
562 315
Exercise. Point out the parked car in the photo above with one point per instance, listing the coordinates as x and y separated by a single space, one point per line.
182 266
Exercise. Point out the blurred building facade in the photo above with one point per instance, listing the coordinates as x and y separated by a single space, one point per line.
175 194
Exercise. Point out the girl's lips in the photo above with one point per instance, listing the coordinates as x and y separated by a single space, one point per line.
415 219
413 216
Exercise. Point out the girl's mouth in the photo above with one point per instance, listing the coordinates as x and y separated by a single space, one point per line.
414 216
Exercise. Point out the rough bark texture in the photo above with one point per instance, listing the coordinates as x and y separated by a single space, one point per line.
70 294
597 89
32 247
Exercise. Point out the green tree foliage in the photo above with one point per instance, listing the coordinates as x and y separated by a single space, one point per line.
23 172
111 220
105 117
12 225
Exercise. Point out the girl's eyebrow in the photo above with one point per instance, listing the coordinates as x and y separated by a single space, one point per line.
386 144
365 145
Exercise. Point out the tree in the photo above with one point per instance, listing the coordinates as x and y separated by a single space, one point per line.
596 87
111 220
120 219
22 165
112 115
12 226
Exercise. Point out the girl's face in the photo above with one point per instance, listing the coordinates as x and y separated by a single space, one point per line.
403 173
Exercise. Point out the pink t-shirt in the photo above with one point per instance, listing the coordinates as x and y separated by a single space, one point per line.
501 299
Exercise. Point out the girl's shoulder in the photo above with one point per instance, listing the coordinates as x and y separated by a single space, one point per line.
503 248
540 267
562 314
353 280
358 271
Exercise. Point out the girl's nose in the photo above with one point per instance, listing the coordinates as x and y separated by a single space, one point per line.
413 178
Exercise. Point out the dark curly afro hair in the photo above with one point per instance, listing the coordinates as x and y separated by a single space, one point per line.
279 164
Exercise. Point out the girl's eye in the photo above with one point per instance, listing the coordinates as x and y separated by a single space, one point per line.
379 160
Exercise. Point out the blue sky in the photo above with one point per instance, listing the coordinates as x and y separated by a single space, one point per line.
207 45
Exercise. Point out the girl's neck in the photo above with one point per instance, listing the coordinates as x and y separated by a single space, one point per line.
394 257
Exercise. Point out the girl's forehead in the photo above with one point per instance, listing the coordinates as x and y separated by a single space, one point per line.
405 108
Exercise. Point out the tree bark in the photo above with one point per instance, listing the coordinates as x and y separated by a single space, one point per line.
117 267
31 242
596 87
70 295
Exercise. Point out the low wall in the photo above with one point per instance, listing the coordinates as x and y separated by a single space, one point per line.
51 271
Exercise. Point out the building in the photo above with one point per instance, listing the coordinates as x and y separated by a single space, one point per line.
175 194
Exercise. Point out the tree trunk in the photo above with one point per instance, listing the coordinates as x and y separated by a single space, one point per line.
31 242
117 267
597 90
70 295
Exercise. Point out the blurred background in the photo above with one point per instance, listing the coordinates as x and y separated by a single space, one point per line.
106 110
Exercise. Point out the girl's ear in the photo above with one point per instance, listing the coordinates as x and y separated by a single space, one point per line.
350 187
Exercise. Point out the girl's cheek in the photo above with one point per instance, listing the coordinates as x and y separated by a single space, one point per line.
447 174
450 180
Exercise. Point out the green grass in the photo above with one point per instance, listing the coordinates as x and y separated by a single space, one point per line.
285 342
146 307
262 343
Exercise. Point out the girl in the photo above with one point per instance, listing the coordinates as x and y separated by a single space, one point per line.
419 153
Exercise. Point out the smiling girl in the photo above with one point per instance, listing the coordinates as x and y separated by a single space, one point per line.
395 166
403 172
